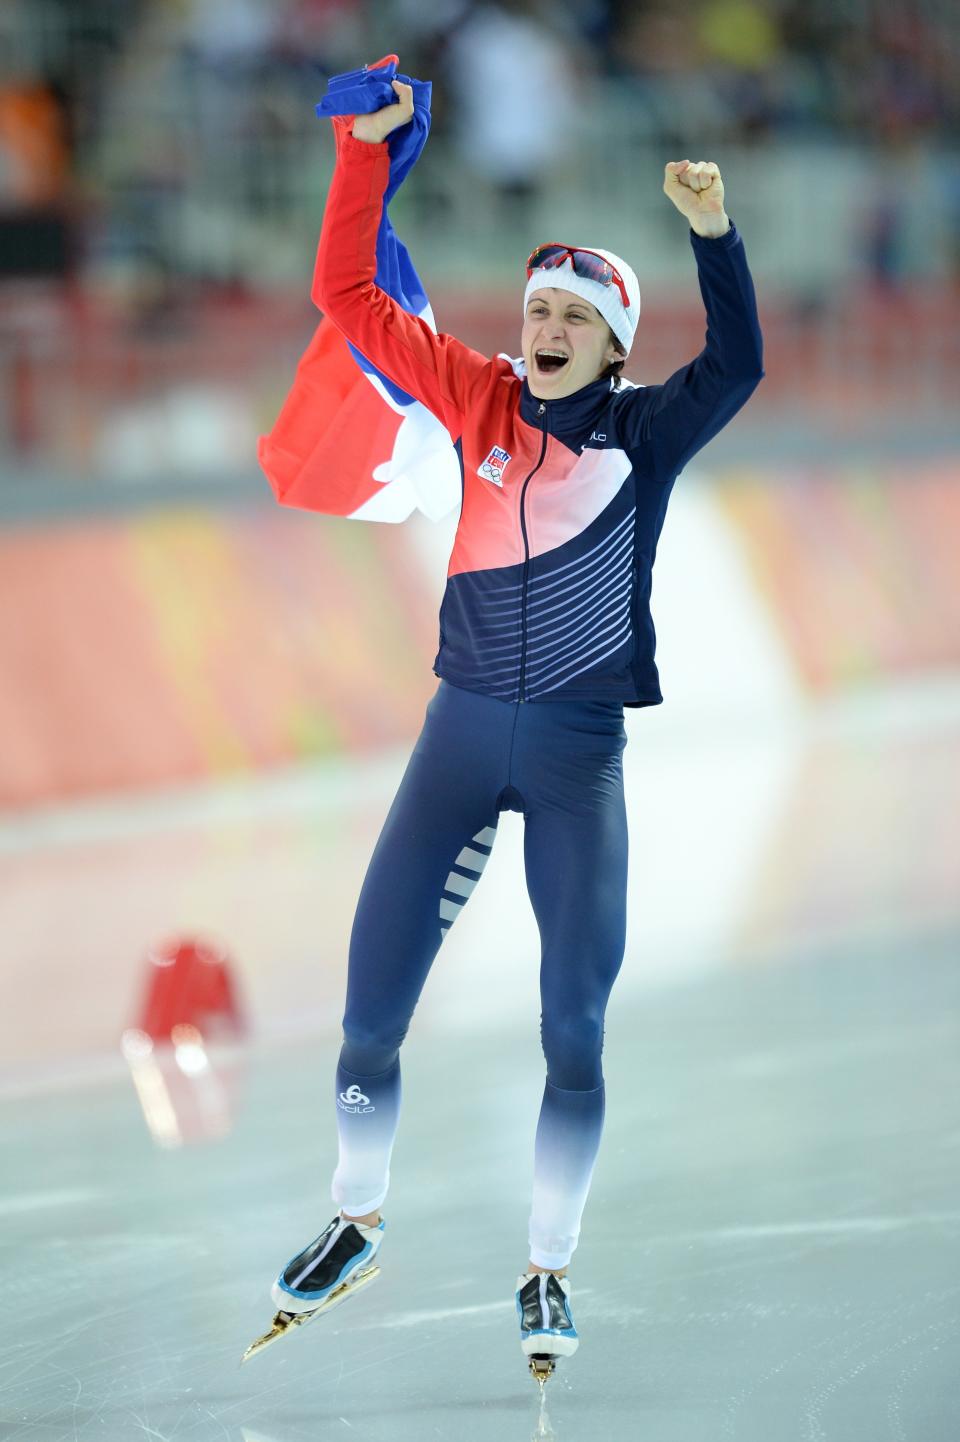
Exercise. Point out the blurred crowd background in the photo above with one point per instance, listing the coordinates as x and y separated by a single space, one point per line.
162 178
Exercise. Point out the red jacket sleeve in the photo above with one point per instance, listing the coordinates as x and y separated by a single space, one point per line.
437 369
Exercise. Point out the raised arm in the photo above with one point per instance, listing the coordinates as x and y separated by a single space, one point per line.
437 369
667 424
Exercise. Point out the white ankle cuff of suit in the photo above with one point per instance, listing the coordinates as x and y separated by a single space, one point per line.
551 1260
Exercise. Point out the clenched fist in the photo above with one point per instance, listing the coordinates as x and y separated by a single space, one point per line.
697 192
377 126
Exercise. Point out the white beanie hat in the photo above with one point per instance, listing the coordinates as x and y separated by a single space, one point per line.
606 298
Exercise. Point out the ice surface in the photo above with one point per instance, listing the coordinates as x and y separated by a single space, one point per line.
769 1249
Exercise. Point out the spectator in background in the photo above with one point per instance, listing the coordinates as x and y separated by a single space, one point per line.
741 51
34 172
515 82
33 153
657 51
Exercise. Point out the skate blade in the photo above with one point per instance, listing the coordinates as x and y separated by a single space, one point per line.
542 1367
285 1322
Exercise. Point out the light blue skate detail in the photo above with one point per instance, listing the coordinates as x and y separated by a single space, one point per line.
346 1271
570 1331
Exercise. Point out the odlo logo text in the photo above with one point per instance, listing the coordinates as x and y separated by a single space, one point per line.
353 1100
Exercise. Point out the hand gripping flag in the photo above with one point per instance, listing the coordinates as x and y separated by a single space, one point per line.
348 442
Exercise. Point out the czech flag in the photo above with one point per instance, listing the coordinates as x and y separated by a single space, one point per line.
348 442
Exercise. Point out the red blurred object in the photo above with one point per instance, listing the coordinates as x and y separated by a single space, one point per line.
191 983
182 1050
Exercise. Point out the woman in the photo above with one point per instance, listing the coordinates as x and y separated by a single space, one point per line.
545 636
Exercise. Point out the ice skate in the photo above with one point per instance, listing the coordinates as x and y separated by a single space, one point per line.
546 1324
335 1265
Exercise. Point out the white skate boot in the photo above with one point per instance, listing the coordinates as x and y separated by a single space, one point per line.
546 1322
335 1265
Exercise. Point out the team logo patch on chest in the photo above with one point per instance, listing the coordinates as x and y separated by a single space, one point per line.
493 467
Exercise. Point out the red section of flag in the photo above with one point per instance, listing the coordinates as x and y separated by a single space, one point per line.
331 433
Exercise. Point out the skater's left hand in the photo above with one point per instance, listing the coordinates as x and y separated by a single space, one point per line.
697 192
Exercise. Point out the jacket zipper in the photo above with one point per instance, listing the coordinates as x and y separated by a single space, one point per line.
541 411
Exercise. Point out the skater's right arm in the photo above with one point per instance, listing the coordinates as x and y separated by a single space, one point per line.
437 369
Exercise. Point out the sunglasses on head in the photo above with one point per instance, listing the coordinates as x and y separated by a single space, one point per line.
586 263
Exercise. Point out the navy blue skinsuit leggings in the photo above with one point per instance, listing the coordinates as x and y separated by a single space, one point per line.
560 763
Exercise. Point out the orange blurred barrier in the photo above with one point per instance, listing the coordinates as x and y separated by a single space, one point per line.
175 646
856 562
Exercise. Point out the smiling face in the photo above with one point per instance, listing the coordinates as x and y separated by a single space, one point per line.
566 343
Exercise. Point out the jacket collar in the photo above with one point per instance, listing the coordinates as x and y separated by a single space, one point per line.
569 413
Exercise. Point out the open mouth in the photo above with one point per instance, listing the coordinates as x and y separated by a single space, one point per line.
550 362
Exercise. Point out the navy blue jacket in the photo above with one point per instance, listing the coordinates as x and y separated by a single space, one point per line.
548 588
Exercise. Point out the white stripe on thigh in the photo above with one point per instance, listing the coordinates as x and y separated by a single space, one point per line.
471 859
